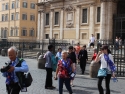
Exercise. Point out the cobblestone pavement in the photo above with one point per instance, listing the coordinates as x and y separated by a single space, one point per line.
83 84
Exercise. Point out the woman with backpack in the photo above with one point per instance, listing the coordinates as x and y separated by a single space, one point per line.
107 69
64 68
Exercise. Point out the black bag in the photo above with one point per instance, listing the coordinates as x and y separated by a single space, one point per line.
27 80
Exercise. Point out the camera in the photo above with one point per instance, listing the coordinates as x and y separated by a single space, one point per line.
6 68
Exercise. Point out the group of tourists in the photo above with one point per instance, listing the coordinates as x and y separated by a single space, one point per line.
66 66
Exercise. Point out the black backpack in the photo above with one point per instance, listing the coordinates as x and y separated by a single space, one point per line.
25 79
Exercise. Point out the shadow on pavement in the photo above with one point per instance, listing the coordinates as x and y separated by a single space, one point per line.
91 88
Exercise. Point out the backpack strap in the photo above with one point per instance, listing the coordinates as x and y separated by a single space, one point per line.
20 74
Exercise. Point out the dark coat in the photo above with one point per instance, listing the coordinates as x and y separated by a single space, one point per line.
72 56
83 55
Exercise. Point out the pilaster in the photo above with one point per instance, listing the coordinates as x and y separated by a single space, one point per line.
51 24
78 22
39 26
42 24
61 23
91 27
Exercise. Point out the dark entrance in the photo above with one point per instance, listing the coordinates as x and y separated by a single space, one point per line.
119 20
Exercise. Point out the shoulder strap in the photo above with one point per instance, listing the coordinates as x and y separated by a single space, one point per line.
20 60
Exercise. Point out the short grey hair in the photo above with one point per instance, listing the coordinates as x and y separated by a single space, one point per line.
13 48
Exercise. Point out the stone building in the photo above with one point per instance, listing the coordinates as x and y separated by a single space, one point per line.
18 20
76 20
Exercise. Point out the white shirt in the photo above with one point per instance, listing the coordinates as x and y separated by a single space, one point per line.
92 39
104 62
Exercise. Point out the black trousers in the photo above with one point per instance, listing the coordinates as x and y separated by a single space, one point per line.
107 83
48 82
83 65
13 89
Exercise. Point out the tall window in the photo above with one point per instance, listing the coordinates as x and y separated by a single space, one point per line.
84 15
6 17
12 16
32 6
5 34
2 32
17 3
32 33
16 32
47 18
98 14
24 4
24 16
11 32
2 17
3 6
32 17
17 15
6 6
24 32
56 18
47 36
13 4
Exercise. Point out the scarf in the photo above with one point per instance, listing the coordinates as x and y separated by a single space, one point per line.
110 63
10 76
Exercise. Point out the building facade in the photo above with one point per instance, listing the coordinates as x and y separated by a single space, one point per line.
76 20
18 19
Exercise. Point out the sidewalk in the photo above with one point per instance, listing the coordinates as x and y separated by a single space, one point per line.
83 83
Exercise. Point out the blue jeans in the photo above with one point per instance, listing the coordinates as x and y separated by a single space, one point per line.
67 84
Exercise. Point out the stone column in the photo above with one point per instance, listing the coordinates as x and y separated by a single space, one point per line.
51 24
103 21
39 26
61 23
91 22
78 22
42 24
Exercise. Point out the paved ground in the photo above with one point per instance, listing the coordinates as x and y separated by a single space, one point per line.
83 84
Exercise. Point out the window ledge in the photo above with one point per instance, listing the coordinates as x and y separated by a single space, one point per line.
47 26
56 25
97 23
84 24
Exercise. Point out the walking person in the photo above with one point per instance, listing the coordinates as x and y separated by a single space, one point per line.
116 43
65 66
72 56
107 62
83 57
48 66
13 75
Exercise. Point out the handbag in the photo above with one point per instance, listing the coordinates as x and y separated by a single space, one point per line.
102 72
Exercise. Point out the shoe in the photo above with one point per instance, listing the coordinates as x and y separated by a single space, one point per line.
50 87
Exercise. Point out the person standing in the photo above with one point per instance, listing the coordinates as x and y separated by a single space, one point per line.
65 65
92 41
77 49
58 55
107 62
13 83
72 56
48 66
83 57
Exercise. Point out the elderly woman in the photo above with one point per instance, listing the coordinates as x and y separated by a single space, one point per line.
65 66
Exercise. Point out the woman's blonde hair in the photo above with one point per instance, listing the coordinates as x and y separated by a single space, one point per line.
64 51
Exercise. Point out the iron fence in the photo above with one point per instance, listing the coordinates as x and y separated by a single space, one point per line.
29 49
118 52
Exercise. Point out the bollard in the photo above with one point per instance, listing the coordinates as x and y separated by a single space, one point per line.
3 52
19 54
41 62
94 67
38 54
